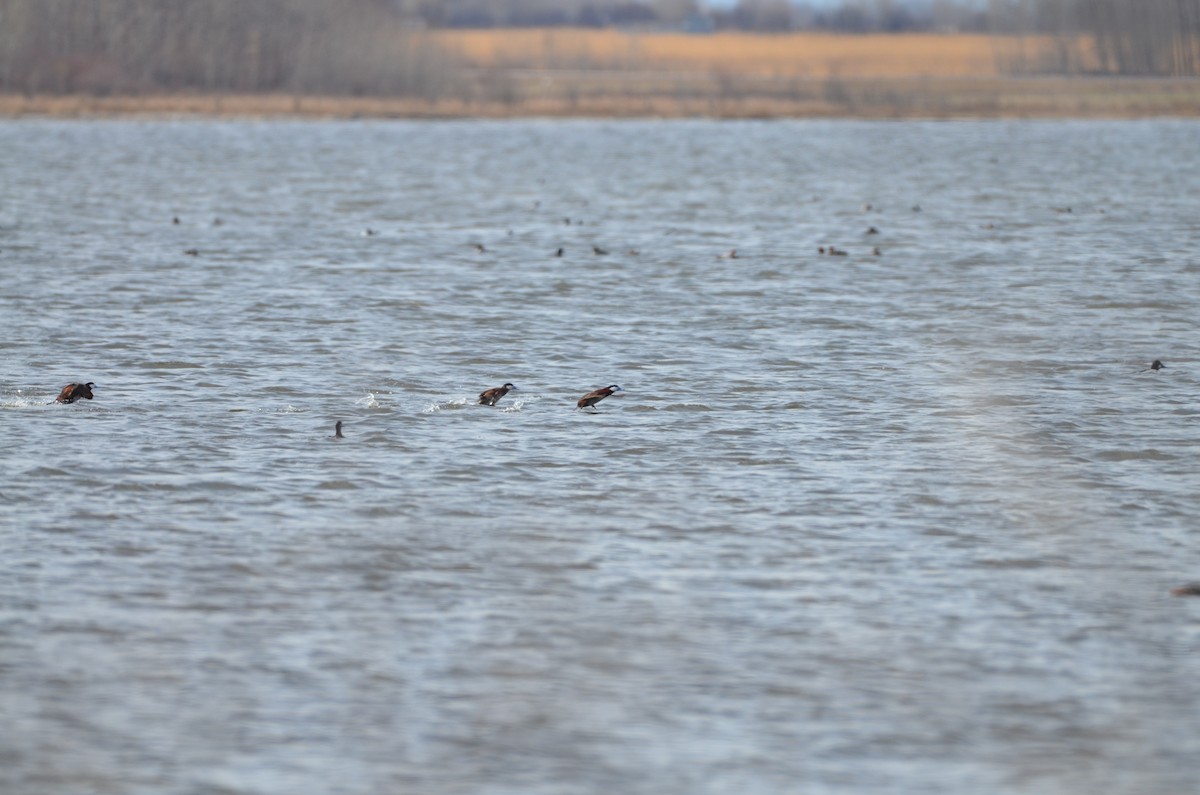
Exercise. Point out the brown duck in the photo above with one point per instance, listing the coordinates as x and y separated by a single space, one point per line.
595 396
490 397
72 392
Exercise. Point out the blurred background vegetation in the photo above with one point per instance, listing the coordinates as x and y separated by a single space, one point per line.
513 50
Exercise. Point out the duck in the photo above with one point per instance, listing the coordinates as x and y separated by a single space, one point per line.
595 396
492 396
1157 364
72 392
337 430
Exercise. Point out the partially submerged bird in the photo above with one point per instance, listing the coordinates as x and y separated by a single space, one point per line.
490 397
337 430
72 392
1157 364
595 396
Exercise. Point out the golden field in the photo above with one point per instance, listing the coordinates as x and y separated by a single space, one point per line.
811 55
566 72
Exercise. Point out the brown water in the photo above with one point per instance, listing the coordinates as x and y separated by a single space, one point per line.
904 522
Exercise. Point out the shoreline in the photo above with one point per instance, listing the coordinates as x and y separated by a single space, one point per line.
901 98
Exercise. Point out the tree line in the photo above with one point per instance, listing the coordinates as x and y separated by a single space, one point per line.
131 46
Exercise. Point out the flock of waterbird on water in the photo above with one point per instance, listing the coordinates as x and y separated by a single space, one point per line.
490 397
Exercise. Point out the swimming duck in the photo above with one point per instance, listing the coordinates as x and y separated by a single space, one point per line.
595 396
491 396
72 392
1157 364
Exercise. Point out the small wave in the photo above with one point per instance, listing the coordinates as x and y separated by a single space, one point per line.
171 365
370 401
23 401
442 405
337 485
1149 454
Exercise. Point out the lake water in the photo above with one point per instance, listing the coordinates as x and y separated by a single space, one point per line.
876 523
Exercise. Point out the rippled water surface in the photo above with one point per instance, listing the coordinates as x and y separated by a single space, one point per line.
873 523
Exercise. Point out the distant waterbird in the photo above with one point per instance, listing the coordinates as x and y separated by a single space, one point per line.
596 395
599 252
1157 364
337 430
489 397
1192 589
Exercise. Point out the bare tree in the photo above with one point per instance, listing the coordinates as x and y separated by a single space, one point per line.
331 46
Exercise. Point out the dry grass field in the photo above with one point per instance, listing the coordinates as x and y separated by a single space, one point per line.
568 72
809 55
